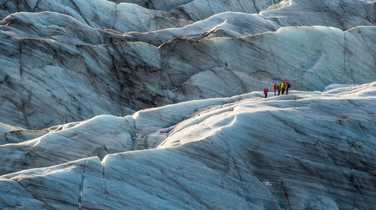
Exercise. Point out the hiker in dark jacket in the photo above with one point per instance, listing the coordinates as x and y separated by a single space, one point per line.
266 91
287 85
275 88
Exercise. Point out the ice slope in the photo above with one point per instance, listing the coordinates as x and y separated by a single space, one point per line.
55 69
99 13
311 57
64 61
308 150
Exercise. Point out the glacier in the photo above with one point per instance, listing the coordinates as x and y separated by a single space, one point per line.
156 104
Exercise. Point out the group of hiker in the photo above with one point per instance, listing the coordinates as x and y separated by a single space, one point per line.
278 88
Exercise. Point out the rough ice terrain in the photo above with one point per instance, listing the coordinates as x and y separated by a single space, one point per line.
155 104
64 61
308 150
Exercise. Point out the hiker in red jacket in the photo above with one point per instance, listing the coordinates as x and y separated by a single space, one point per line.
266 91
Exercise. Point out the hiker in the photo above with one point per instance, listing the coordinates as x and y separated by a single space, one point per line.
275 88
266 91
278 89
282 87
287 84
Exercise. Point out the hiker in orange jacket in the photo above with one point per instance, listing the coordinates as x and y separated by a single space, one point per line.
282 86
